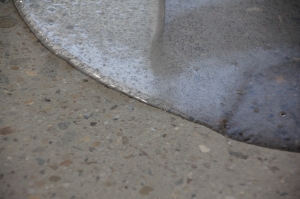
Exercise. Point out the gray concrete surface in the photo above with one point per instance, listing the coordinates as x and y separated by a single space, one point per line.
63 135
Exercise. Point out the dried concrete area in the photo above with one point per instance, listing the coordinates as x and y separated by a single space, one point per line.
63 135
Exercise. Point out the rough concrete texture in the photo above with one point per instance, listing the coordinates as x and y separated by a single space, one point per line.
63 135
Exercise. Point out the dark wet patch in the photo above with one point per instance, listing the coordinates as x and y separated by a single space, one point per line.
7 22
275 94
257 102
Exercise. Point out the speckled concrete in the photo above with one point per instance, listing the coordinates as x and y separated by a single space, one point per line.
63 135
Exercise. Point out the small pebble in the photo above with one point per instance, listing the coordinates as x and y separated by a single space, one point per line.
31 73
7 22
40 161
63 125
204 149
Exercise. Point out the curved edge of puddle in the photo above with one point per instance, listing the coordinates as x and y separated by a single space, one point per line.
129 91
94 74
76 63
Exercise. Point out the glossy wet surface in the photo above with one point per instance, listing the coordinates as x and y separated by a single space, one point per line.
231 65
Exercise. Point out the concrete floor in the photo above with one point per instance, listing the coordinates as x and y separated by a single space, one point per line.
63 135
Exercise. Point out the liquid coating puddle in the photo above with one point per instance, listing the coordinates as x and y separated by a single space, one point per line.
231 65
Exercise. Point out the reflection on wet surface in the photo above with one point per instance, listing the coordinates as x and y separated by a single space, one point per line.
231 65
